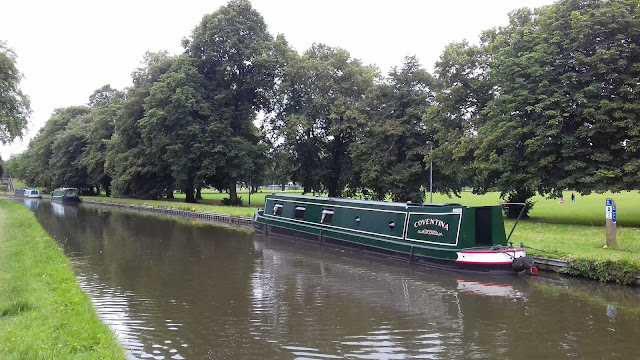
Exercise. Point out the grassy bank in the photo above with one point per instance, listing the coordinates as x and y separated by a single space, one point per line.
43 312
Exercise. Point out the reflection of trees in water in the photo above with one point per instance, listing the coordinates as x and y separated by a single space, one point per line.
182 281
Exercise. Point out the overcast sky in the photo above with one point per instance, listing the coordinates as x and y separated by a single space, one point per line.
68 49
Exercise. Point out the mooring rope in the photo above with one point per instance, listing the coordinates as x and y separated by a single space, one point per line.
532 248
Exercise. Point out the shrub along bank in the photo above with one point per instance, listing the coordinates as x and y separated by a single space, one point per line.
43 312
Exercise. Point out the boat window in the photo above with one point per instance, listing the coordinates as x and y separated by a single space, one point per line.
357 220
327 216
299 214
277 210
392 225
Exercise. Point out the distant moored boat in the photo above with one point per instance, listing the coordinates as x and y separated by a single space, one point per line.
65 195
32 193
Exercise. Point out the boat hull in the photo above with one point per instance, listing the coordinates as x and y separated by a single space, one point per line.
484 259
66 199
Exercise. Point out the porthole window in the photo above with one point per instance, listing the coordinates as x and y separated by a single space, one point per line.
299 214
327 216
392 225
277 210
357 220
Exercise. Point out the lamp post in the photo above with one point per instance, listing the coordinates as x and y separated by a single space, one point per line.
430 171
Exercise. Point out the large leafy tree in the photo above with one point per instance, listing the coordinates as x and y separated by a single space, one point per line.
321 94
235 55
13 166
390 154
14 104
67 150
567 111
128 162
174 128
464 89
46 152
106 103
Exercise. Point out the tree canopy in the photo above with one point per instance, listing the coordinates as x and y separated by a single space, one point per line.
14 104
546 103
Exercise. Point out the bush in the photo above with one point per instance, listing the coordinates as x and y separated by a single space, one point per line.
228 202
621 272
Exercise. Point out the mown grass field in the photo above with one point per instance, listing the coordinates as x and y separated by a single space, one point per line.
43 312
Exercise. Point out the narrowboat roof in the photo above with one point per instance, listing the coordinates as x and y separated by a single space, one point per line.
360 202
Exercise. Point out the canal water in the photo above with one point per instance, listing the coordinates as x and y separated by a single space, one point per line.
179 289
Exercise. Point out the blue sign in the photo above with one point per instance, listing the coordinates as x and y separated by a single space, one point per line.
609 202
614 215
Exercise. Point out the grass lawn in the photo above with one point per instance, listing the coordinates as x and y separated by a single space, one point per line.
43 312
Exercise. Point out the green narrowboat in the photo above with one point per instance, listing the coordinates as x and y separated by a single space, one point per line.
441 235
65 195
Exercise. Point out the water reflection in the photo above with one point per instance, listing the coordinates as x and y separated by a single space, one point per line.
181 289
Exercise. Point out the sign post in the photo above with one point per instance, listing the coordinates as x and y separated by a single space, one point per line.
610 216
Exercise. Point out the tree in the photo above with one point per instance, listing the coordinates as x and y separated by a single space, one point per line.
390 153
67 151
464 88
107 103
132 168
566 114
102 96
174 128
13 166
14 104
38 163
319 114
235 54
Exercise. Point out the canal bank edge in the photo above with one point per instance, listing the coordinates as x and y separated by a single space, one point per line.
241 221
44 314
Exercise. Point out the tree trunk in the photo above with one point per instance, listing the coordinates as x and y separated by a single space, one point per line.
198 193
233 194
170 194
519 196
284 187
189 196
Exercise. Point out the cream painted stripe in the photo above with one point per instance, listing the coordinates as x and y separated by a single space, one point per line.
331 226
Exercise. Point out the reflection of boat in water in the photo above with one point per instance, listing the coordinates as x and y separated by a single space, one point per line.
434 293
57 208
488 288
31 204
441 235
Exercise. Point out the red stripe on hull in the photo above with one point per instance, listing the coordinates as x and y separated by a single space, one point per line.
484 263
489 251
